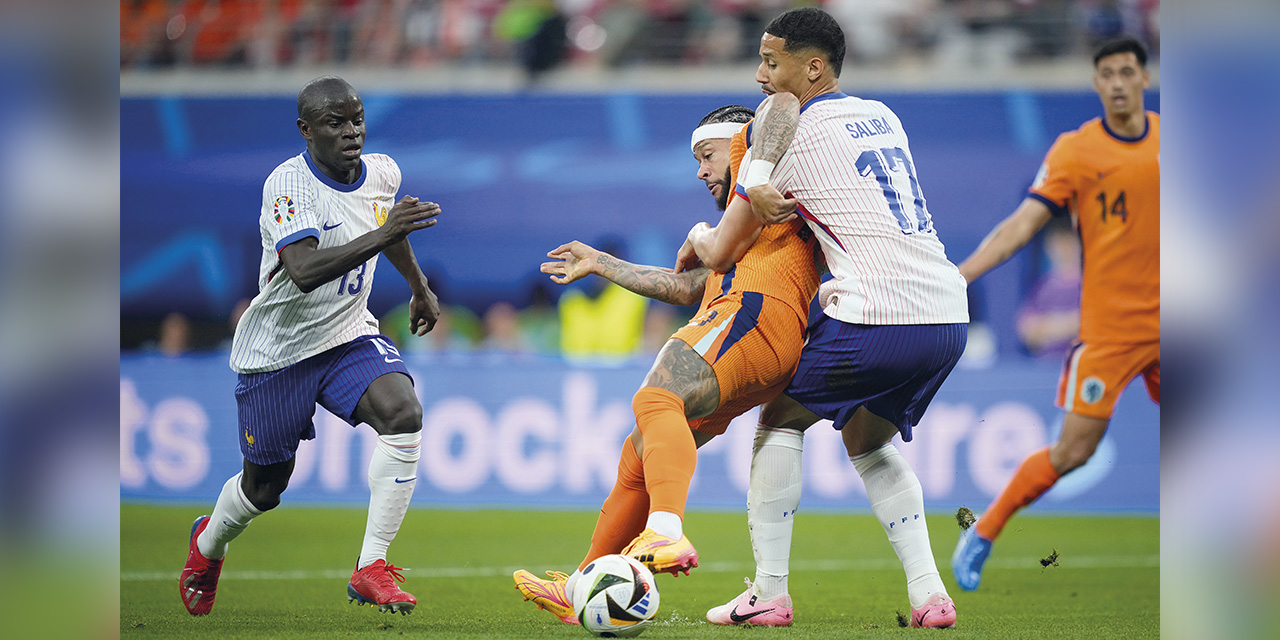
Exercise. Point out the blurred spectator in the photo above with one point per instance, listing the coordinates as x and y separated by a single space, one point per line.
661 321
1049 318
457 330
610 325
175 335
542 34
502 330
540 321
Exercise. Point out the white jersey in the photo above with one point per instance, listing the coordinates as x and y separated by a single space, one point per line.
851 169
283 325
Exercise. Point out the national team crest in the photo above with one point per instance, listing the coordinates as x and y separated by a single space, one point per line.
1092 389
284 210
379 213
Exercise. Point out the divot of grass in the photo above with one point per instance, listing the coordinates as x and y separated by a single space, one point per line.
965 518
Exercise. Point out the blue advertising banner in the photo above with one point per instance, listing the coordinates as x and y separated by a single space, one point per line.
533 432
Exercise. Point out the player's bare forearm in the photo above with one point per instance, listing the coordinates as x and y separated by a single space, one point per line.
401 256
775 127
310 267
722 246
1012 234
657 283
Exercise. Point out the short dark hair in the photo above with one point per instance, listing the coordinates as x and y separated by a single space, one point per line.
320 91
1122 45
810 28
729 113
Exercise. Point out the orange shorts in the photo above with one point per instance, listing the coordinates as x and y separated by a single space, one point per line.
753 344
1095 374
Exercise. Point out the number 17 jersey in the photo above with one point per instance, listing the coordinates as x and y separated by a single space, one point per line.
283 325
851 170
1110 185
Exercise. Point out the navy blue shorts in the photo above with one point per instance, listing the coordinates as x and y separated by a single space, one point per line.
276 407
893 370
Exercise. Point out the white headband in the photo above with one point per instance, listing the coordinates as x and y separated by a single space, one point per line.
714 131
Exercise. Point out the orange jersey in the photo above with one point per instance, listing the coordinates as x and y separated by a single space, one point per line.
1111 187
782 262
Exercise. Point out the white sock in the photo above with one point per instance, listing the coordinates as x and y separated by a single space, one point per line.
393 472
772 500
230 517
666 524
898 502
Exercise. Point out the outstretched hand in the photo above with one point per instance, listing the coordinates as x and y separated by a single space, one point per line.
770 206
573 261
407 216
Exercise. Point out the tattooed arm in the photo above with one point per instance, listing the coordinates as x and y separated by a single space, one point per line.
772 133
576 260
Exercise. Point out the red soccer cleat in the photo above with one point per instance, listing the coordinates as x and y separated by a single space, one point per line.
198 584
375 585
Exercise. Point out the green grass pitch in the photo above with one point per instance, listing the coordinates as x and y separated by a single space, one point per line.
286 577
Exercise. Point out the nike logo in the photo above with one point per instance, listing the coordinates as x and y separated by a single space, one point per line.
919 620
331 228
399 481
733 615
1102 174
389 359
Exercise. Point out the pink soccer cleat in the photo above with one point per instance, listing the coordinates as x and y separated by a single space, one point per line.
198 584
938 612
547 594
375 585
662 554
749 609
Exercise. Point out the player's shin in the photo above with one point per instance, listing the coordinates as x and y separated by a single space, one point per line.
622 517
1035 476
772 499
670 456
393 473
898 502
231 515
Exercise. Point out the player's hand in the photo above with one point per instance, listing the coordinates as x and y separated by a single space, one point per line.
407 216
573 261
686 258
770 206
424 311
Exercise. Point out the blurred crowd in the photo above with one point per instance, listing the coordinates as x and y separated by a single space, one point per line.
544 34
594 320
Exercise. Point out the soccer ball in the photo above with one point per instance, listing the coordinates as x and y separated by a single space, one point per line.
615 597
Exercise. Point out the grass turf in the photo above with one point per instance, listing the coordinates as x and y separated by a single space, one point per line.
286 577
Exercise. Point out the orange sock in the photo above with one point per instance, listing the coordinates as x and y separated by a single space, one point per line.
1034 477
624 512
670 454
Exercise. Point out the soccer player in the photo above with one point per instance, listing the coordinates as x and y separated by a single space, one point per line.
1106 176
894 315
308 337
738 351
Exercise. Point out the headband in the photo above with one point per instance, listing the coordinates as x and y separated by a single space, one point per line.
714 131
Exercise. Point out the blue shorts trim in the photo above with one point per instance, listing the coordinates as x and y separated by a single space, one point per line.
276 408
747 318
893 370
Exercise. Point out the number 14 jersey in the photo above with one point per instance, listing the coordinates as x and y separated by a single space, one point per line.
850 167
283 325
1110 185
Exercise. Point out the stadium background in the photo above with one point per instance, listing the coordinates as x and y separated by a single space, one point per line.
527 145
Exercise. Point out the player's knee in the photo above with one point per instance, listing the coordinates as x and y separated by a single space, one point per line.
402 417
264 497
1073 455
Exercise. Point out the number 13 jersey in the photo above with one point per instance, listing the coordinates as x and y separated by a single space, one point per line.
283 325
851 169
1110 185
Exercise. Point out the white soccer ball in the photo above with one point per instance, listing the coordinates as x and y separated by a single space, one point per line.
615 597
